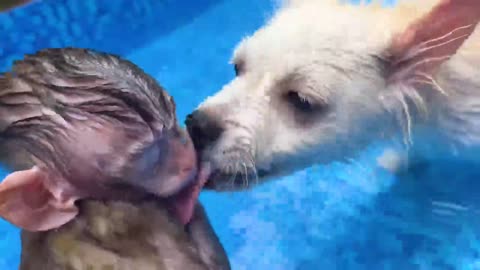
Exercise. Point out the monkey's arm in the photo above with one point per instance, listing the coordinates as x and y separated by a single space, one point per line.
208 245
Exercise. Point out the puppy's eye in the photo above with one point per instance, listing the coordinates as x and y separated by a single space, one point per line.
239 68
302 103
235 67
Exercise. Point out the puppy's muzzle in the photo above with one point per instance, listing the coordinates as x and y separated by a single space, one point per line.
204 129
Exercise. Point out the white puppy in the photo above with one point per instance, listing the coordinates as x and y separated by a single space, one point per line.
322 80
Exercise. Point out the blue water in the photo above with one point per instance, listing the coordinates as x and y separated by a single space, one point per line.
341 216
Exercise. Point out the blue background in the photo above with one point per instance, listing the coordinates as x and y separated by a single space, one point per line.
340 216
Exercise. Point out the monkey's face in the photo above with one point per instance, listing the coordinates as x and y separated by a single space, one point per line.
165 166
97 127
104 158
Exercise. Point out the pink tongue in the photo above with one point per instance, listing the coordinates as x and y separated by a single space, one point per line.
183 204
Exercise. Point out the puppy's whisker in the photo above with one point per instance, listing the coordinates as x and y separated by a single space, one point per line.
254 168
245 182
408 127
432 82
419 102
463 27
233 176
417 51
424 61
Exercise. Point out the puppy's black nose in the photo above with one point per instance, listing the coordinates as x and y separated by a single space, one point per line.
203 129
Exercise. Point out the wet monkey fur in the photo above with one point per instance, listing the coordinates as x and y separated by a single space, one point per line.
102 174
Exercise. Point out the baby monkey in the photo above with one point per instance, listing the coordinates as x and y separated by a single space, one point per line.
102 175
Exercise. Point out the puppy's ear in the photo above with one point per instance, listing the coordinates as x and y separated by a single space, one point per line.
416 54
28 201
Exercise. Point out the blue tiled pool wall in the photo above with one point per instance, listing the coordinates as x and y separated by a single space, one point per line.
116 26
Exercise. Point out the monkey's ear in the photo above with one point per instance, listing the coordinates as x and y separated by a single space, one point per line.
416 54
27 202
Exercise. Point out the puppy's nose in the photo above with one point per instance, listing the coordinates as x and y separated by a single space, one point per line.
203 129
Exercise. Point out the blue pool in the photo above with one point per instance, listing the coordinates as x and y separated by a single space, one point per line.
340 216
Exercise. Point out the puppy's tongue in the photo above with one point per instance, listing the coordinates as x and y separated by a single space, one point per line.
183 203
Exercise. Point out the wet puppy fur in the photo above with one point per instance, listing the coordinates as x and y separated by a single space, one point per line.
323 79
98 160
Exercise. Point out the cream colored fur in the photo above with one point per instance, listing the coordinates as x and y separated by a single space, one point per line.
330 53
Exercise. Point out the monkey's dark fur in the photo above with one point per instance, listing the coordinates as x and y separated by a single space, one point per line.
49 102
117 235
49 92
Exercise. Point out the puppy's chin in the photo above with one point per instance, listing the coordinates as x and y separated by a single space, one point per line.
236 169
225 178
238 173
237 181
